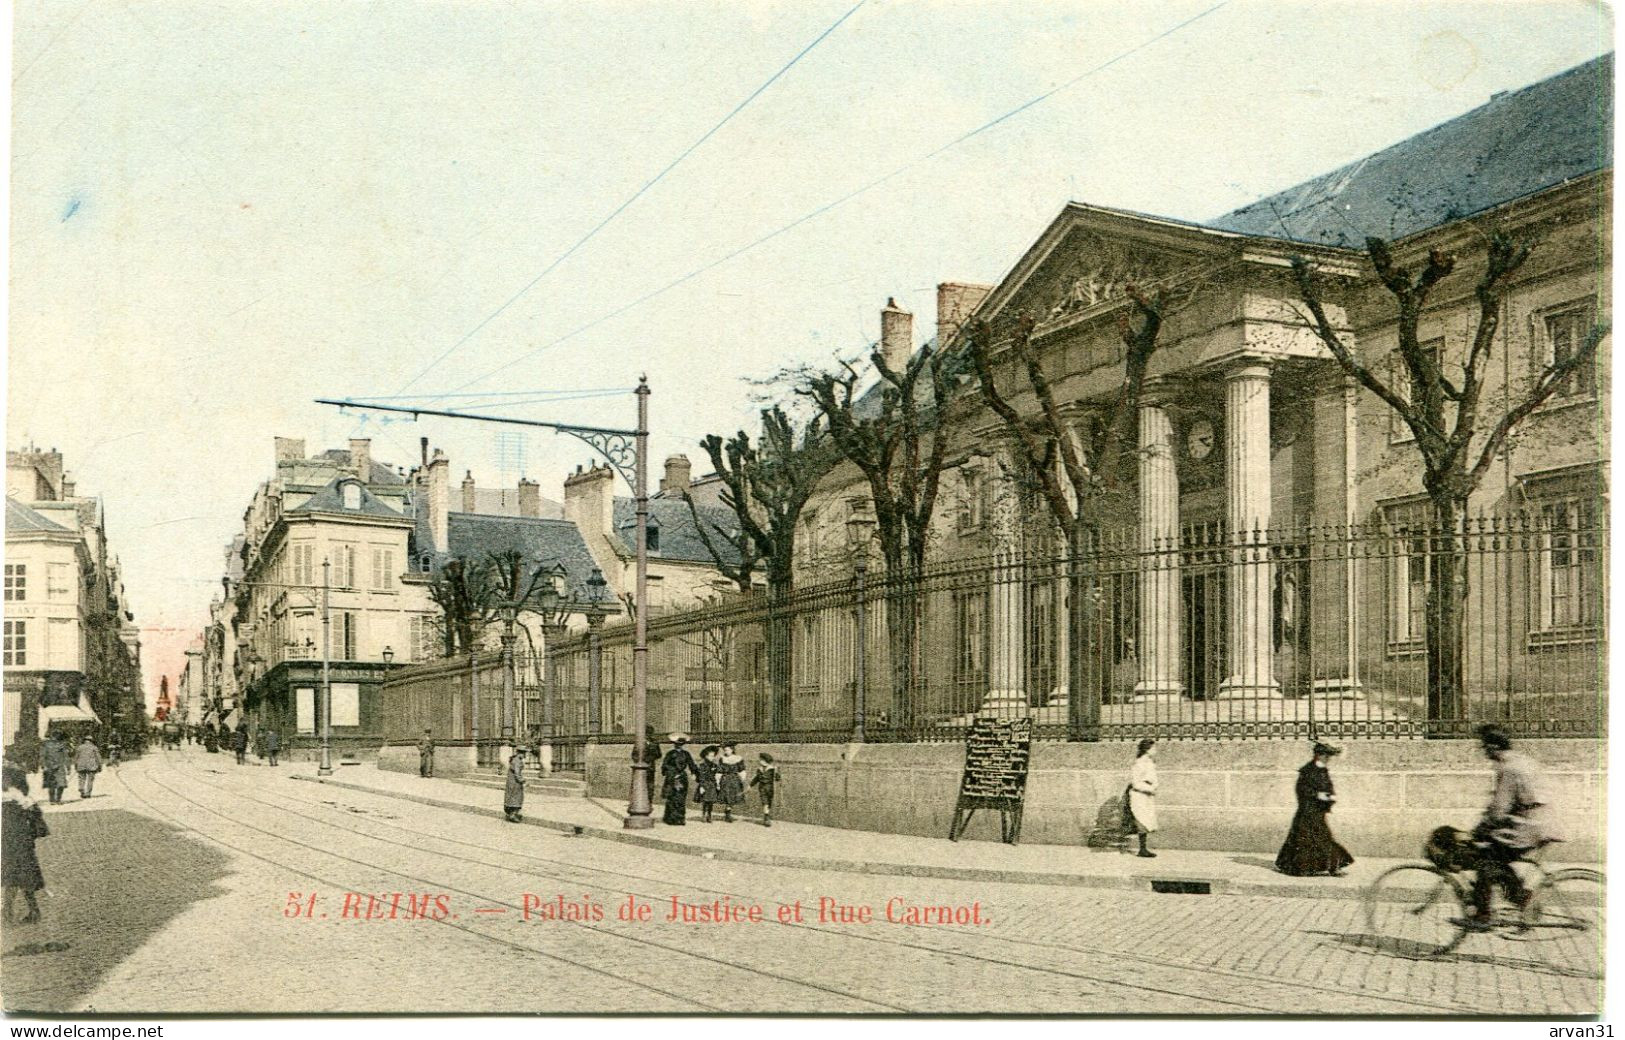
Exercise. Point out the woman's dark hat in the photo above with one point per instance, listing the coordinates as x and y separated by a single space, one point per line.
1326 750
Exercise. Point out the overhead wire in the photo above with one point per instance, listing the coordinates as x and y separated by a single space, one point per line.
510 301
849 196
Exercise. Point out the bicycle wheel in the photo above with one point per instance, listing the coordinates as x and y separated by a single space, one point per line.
1566 917
1413 911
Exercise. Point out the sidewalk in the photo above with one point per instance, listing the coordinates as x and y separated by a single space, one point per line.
865 852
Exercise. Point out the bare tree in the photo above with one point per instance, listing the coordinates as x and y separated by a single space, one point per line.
1456 444
899 447
1088 470
468 597
766 485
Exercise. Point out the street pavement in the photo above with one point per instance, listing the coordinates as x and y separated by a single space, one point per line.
190 884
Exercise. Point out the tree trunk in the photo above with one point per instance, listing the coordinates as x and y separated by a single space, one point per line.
902 621
1084 670
1446 617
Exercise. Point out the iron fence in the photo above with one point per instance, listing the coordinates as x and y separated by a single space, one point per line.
1304 631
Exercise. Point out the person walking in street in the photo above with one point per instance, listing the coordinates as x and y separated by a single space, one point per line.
705 776
1517 821
651 756
54 766
426 755
273 744
87 762
730 781
765 780
674 773
1140 797
513 793
22 823
239 743
1309 847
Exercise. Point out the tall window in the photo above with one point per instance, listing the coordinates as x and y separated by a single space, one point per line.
1566 331
16 582
383 569
1406 534
973 499
16 643
427 638
1040 640
346 629
970 645
344 566
58 581
1567 570
1399 432
304 563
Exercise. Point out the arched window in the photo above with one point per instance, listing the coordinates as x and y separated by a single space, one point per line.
351 493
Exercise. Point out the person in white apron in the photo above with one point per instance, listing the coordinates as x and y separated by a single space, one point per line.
1140 798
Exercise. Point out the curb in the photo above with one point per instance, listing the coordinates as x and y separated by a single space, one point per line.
1120 882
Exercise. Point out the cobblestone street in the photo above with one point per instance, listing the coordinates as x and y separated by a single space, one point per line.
227 860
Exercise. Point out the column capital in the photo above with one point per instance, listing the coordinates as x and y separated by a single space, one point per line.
1249 366
1159 392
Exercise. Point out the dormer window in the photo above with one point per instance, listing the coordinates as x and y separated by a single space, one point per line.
350 493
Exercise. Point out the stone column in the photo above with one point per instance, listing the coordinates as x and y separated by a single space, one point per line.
1332 609
1159 613
1250 585
1007 649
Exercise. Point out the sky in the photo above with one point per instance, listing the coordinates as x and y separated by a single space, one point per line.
220 212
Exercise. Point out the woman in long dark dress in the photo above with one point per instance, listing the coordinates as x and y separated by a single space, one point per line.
21 824
674 772
730 781
513 792
1310 847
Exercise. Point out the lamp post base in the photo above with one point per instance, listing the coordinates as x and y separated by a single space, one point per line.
638 823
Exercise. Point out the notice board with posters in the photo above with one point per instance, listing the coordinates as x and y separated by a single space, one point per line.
997 752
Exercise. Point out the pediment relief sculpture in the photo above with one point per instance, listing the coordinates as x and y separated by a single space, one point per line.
1096 271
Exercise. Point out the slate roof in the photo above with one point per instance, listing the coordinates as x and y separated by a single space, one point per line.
340 457
475 536
330 500
1519 143
21 519
678 538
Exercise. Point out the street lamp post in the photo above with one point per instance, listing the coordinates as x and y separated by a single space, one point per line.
595 651
613 445
858 528
510 613
325 767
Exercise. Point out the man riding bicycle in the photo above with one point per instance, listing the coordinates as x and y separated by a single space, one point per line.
1517 822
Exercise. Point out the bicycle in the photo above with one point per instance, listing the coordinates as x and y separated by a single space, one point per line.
1423 907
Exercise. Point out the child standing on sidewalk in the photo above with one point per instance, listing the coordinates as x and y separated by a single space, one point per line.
706 791
767 774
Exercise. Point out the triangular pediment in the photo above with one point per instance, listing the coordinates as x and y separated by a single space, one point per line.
1087 258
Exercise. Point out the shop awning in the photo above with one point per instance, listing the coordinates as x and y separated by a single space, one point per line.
65 713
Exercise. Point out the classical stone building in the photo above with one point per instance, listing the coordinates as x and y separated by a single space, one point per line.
1250 430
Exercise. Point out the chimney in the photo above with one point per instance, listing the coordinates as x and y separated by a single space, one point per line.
439 501
68 486
589 501
956 302
896 336
289 449
530 498
679 473
423 450
469 498
361 458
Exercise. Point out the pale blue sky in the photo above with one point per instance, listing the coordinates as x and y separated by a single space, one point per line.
221 211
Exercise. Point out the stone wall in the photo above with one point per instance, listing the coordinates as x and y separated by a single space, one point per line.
1233 796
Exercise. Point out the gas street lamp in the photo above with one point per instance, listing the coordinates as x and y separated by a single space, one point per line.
859 528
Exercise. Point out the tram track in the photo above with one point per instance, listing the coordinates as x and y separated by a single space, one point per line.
581 875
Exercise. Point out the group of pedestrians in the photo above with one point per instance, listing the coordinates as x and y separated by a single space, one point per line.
56 758
22 820
1517 821
718 778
